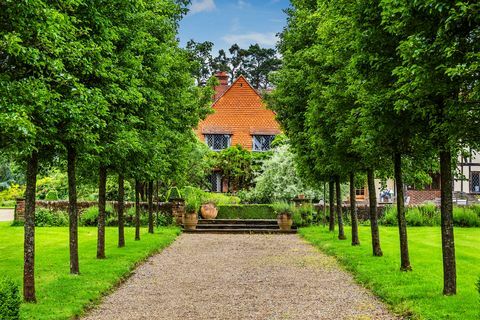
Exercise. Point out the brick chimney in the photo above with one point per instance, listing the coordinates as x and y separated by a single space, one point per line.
222 77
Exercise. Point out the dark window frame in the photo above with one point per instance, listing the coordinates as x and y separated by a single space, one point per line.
263 147
218 145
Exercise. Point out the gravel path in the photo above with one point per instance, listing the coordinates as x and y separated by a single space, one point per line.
207 276
6 214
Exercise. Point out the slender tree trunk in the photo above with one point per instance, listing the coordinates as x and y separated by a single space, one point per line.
402 221
29 226
448 241
353 211
120 208
137 210
102 190
331 200
150 207
372 195
341 232
72 209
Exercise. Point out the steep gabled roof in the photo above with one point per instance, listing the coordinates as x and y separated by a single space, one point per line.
231 86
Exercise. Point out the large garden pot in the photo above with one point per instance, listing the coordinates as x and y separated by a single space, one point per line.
209 211
178 210
284 221
190 220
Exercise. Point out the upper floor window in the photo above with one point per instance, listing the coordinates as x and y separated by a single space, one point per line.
475 182
217 141
262 142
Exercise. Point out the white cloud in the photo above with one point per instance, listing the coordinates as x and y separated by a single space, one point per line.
243 40
242 4
202 5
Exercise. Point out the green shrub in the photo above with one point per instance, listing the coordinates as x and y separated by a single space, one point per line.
465 217
7 203
49 218
51 195
389 216
164 220
415 218
246 211
303 216
283 207
9 300
9 195
89 217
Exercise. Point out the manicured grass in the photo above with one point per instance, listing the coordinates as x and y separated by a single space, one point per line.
418 293
59 294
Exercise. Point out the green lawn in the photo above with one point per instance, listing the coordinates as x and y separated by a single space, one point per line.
59 294
418 292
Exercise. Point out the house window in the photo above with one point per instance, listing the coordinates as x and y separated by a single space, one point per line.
360 191
262 142
475 182
217 141
216 182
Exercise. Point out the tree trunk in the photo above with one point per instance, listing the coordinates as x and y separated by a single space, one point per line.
341 232
448 242
102 190
120 209
331 200
29 227
353 211
72 209
137 210
372 196
402 222
150 207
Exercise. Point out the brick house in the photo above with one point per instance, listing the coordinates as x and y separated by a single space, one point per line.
240 117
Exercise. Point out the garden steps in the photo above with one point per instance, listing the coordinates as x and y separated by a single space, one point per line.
239 226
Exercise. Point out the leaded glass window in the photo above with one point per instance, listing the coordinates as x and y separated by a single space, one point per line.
475 182
262 142
217 141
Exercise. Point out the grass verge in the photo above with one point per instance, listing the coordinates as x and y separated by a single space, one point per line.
61 295
417 294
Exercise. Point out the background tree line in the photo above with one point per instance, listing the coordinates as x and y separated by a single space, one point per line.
255 63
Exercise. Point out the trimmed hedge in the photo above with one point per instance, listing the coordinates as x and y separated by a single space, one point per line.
9 300
246 211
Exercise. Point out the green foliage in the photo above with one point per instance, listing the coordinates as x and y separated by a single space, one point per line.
54 182
246 211
212 197
429 215
8 196
278 180
238 165
465 217
49 218
51 195
389 217
283 207
303 215
9 299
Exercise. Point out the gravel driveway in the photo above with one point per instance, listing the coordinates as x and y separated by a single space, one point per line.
207 276
6 214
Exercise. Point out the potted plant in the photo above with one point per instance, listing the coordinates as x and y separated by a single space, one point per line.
284 211
209 209
190 218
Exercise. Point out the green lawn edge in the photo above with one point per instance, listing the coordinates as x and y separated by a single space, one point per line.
416 294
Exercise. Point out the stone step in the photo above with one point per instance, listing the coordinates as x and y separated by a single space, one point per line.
236 226
239 221
242 231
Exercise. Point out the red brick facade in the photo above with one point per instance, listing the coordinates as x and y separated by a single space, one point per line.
421 196
240 112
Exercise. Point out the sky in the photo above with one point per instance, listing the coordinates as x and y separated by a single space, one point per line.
225 22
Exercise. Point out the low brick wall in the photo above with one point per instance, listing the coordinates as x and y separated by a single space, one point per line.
62 205
421 196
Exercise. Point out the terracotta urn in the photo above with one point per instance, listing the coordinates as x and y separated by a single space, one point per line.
190 220
284 221
209 211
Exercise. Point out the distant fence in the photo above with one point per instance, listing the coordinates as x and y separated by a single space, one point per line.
62 205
